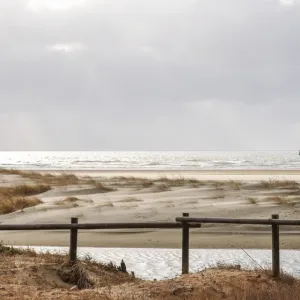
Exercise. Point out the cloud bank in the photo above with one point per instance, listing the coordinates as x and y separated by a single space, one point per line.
149 75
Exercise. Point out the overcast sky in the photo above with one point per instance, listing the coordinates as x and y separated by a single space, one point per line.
149 74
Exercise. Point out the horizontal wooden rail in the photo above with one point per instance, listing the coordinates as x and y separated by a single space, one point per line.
90 226
273 221
238 221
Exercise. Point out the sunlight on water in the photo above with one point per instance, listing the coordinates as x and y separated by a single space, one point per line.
150 160
148 263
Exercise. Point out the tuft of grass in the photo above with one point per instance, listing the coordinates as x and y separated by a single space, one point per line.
221 185
162 187
178 182
169 205
224 266
12 204
147 183
63 179
252 200
102 188
284 277
71 199
10 171
131 199
76 274
279 200
218 185
219 196
129 206
66 201
191 201
235 185
12 251
279 184
24 190
131 181
19 197
47 178
107 204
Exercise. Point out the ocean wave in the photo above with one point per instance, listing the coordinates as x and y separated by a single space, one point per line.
34 165
154 163
229 163
196 159
95 161
150 160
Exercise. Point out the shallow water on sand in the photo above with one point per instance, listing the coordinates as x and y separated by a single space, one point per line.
149 263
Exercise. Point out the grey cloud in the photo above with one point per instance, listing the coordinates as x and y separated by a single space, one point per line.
143 65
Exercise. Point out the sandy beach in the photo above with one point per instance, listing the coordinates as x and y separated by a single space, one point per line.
144 196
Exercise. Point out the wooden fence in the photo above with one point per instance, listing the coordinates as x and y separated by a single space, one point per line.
273 221
74 226
185 223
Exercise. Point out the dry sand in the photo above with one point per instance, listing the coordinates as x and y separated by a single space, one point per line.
235 194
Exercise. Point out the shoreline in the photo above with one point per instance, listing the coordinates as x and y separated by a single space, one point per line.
161 240
137 170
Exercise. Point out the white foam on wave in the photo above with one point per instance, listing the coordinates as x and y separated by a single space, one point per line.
80 160
148 263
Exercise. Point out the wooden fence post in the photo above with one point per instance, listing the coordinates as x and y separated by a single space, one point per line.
275 248
73 241
185 245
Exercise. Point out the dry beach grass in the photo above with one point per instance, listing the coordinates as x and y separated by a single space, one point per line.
43 197
33 197
20 196
28 275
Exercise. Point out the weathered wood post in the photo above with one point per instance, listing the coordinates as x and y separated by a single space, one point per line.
275 248
73 241
185 245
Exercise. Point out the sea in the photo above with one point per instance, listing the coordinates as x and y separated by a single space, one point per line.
154 160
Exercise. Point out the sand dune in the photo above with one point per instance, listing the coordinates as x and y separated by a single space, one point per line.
161 196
